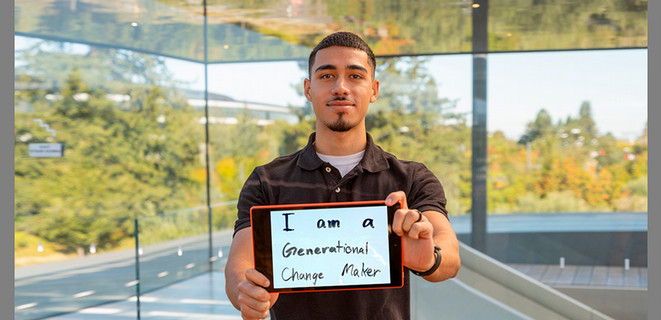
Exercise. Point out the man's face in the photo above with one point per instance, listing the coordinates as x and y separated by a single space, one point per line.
341 88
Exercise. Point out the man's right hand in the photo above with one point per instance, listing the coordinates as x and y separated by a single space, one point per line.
254 300
245 286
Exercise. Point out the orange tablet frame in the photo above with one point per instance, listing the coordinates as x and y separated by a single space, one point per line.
394 240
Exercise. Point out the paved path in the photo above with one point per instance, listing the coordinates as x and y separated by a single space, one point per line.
67 286
200 297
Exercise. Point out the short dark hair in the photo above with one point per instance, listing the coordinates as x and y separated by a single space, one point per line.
342 39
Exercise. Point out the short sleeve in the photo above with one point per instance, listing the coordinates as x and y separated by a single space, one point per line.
427 193
252 194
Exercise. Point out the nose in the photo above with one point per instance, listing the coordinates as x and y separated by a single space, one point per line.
340 88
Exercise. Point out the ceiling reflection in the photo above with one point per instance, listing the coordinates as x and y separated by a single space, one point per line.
264 30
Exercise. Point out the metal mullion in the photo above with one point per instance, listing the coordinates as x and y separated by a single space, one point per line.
479 128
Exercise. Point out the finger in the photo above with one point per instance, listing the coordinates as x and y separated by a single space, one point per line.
397 196
421 230
412 217
404 219
254 300
398 218
250 314
257 277
253 294
398 221
254 311
261 311
274 298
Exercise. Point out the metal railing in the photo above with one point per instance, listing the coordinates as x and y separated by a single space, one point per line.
176 246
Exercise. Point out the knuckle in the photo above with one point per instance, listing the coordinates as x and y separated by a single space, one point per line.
243 286
242 300
264 296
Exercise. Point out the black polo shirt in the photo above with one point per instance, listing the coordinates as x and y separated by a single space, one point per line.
302 177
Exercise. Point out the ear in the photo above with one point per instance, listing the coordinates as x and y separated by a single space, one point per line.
306 89
375 90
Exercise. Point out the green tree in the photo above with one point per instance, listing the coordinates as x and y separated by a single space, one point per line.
409 116
121 161
569 159
541 127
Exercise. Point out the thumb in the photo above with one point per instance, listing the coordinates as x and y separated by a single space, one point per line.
397 196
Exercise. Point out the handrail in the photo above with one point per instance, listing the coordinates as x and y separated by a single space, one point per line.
524 285
214 205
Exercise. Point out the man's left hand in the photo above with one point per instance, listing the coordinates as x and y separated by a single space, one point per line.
417 234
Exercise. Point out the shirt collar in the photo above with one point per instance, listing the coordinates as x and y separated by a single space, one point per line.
374 159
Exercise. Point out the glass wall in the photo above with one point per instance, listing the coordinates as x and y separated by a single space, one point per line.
423 114
124 143
568 147
254 116
150 110
258 112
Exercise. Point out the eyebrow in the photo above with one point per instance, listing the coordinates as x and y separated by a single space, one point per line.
333 67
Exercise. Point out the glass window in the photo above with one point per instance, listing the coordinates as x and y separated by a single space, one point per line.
549 25
103 136
567 158
423 114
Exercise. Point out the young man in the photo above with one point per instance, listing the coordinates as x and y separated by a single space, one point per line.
342 163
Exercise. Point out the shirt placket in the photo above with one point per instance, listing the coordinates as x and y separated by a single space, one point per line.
334 182
337 185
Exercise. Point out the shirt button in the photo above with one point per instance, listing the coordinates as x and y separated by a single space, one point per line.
337 190
328 169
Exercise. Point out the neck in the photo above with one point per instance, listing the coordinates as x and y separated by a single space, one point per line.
333 143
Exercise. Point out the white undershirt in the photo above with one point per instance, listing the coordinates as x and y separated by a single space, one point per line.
343 163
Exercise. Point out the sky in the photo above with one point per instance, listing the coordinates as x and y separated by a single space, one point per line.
614 82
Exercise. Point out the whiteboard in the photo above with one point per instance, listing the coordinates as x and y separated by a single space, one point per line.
338 246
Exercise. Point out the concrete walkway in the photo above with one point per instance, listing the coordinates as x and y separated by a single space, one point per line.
200 297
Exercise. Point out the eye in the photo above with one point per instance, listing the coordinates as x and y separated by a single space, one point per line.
356 76
325 76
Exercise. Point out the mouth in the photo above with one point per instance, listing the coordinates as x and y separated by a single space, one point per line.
339 104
